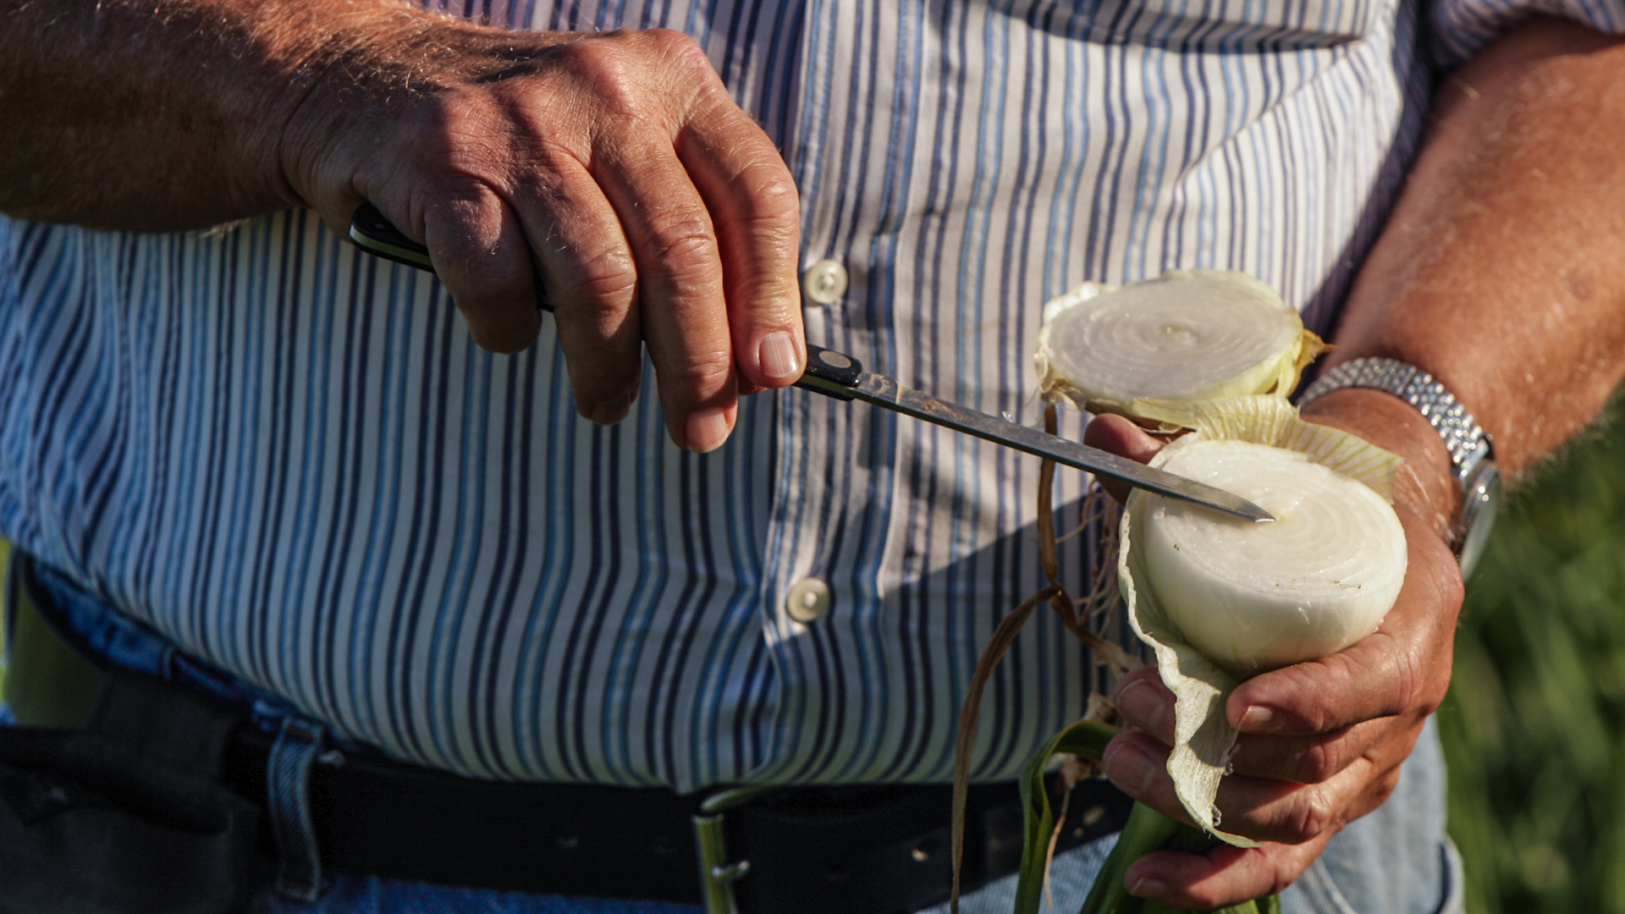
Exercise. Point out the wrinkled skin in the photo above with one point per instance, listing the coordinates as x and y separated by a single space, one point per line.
613 170
617 170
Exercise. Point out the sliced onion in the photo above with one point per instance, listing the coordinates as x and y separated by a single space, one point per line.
1219 599
1144 349
1253 597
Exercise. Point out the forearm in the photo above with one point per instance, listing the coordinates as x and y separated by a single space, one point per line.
1499 273
171 114
1501 269
613 167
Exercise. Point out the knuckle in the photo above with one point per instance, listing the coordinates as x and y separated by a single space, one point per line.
685 246
607 72
610 295
455 130
777 195
1313 816
1320 761
681 54
473 250
1293 684
1319 719
705 373
620 67
772 202
610 277
674 42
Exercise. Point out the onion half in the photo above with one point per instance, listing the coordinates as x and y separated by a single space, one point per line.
1219 599
1147 349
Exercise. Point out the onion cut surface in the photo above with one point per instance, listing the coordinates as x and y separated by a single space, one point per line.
1146 349
1218 599
1253 597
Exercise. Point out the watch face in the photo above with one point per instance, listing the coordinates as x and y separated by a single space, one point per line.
1479 504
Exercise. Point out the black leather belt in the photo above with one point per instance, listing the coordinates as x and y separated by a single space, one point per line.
854 849
869 849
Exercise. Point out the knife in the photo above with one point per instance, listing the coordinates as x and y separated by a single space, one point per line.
838 375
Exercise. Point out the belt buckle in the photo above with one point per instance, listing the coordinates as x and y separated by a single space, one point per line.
717 873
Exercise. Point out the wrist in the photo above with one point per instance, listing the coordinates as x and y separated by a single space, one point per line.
380 79
1471 453
1427 483
162 115
336 72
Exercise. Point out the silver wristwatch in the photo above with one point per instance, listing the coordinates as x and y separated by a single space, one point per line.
1472 454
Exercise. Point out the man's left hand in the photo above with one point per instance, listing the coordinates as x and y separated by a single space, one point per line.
1322 742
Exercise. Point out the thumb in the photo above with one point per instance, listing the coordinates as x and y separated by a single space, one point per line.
1122 437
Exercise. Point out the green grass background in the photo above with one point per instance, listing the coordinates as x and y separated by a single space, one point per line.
1534 727
5 556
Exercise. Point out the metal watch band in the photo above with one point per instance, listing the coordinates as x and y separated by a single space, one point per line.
1467 442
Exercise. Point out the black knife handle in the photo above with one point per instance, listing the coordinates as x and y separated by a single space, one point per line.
830 372
377 235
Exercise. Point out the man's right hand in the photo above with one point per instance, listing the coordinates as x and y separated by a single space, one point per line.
613 168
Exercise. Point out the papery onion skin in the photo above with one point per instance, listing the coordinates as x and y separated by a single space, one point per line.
1253 597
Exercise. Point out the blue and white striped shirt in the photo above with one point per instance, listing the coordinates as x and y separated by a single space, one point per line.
290 459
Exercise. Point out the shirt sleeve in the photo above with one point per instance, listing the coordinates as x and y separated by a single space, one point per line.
1462 28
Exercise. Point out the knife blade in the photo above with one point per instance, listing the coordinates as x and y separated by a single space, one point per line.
839 375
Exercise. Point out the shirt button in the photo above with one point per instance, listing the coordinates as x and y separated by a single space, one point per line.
808 600
824 282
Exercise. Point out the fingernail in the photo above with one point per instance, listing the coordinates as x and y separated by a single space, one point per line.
706 430
1146 887
778 358
1258 719
1143 704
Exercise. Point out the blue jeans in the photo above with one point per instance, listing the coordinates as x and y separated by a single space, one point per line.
1396 860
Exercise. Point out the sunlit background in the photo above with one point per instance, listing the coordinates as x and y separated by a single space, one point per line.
1534 727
